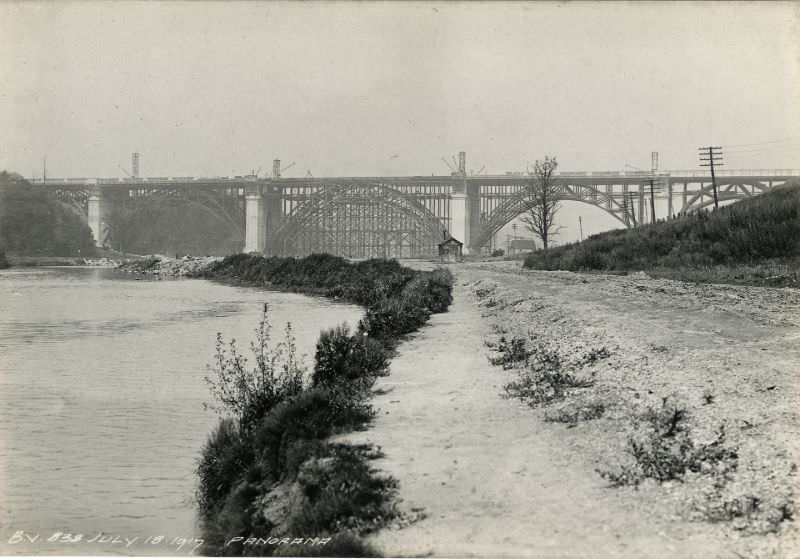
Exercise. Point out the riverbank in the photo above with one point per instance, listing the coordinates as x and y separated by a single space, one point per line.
33 261
270 467
495 475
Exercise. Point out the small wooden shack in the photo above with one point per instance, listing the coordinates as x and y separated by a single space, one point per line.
450 250
521 245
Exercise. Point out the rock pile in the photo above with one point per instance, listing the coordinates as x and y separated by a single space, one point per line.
165 266
103 262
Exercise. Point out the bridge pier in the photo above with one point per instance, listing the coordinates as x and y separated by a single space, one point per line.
465 206
459 218
98 213
255 233
667 182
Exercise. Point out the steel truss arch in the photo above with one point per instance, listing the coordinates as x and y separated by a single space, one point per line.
518 203
726 190
358 219
76 200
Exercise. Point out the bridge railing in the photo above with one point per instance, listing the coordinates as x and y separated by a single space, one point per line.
736 173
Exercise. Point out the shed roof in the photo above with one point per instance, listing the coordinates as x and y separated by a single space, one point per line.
451 241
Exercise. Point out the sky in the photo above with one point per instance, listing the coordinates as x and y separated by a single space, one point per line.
367 89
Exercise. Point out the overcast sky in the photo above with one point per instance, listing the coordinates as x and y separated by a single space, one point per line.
388 89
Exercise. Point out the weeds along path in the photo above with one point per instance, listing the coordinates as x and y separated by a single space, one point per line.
494 479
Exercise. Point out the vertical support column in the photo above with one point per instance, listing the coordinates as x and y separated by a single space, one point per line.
99 208
473 214
666 182
459 214
640 213
670 207
255 233
272 205
685 195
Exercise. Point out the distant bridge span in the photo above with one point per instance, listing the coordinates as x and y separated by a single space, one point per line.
360 217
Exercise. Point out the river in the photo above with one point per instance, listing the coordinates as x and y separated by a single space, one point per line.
101 401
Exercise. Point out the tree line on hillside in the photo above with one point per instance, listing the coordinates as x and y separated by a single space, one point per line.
34 223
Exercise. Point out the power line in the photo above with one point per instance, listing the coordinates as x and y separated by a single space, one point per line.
789 146
762 143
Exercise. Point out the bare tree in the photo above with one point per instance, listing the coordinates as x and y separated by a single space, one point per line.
541 201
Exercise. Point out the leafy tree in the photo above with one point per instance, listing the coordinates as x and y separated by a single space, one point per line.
541 200
32 222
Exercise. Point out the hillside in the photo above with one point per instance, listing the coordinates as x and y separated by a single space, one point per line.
754 241
33 223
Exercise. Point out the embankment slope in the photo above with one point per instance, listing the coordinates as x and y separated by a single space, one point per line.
495 479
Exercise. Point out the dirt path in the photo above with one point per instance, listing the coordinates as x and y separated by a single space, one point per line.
494 479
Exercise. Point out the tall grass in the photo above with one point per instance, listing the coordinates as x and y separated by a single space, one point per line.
751 232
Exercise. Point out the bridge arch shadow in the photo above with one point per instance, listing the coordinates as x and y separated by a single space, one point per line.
132 212
360 219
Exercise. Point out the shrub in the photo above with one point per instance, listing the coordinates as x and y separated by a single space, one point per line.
665 450
393 318
546 378
512 354
498 252
294 429
307 417
341 492
347 364
434 289
574 413
225 458
249 395
748 512
240 516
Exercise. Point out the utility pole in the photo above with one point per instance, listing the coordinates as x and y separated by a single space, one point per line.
630 196
713 155
580 224
44 170
652 200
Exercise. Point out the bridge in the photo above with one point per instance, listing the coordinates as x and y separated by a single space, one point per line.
361 217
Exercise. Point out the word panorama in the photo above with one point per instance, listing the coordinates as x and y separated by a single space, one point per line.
277 541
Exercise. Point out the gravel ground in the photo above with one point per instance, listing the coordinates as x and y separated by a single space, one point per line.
493 478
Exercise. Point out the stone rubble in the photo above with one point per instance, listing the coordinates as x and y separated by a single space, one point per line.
160 265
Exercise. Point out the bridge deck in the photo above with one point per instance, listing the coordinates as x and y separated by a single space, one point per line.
572 177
